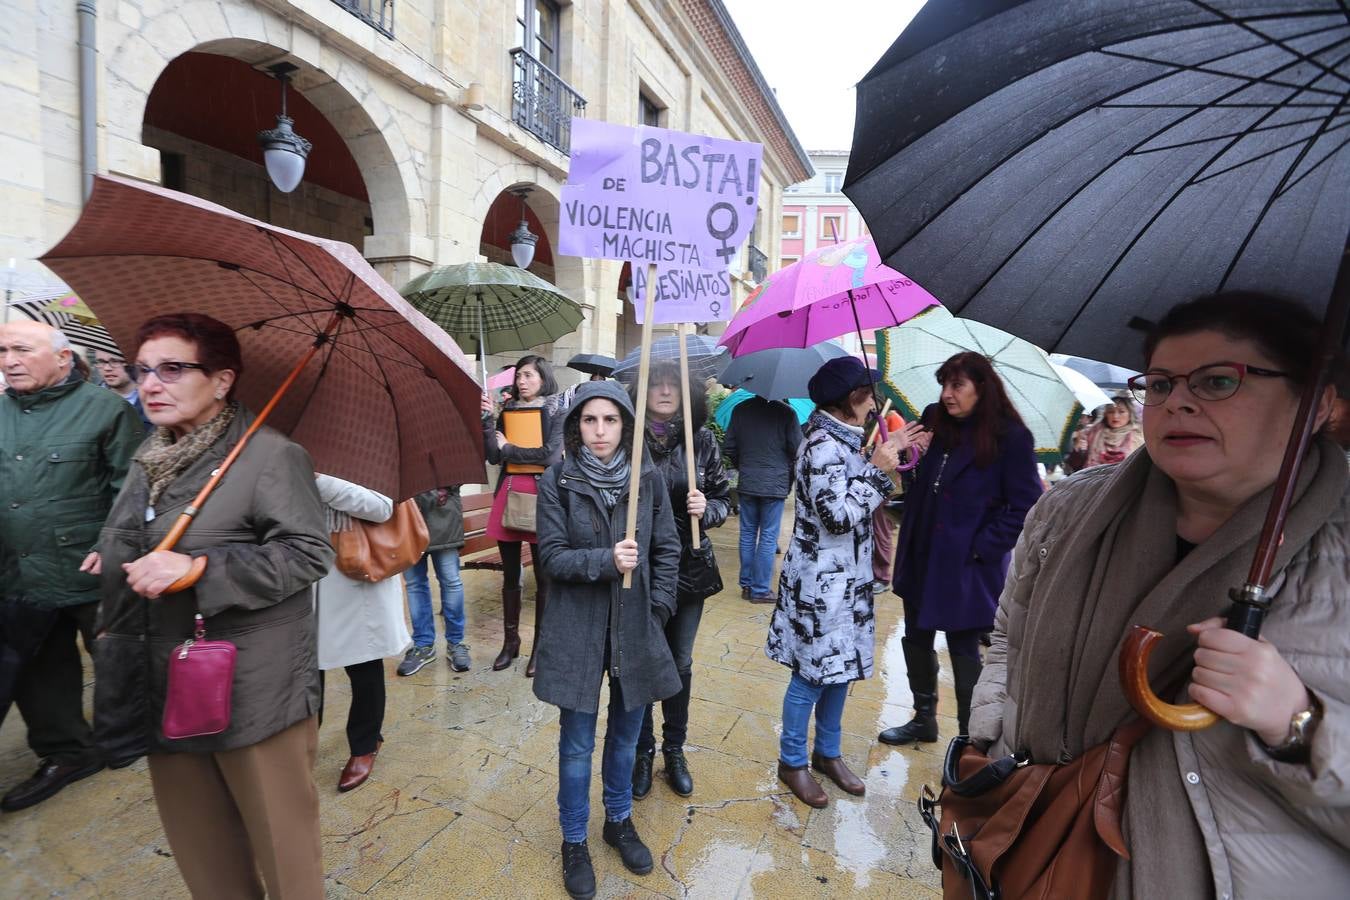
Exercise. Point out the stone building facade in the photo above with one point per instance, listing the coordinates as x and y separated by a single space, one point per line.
426 117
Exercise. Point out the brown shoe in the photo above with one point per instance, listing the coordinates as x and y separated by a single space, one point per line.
765 598
833 768
803 786
357 770
745 593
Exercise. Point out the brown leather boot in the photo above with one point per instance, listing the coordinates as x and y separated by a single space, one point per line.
802 785
540 600
833 768
357 770
511 628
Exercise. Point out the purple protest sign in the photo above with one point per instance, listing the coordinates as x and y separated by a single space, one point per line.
684 295
652 195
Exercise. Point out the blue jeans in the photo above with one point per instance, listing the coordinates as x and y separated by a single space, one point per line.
760 520
576 744
802 696
452 598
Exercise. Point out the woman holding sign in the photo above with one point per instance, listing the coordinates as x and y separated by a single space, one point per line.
524 440
699 578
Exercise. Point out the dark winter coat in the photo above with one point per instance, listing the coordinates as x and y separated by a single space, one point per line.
265 537
762 443
696 570
64 453
445 523
961 522
589 613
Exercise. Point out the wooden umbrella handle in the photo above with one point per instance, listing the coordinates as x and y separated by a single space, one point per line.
1134 656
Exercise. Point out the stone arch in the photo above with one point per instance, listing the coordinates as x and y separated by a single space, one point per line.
343 93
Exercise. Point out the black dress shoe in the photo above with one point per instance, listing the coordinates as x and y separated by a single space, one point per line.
642 775
578 874
46 781
677 772
623 837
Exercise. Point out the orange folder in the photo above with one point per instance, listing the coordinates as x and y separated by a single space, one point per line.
523 428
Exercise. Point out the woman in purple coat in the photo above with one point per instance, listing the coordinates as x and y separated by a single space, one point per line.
963 514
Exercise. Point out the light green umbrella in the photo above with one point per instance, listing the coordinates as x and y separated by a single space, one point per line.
494 307
910 354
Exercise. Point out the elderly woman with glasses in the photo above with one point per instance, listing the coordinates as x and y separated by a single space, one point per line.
1260 801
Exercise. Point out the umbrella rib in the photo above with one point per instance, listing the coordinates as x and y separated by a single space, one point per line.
1205 70
1272 152
276 243
398 430
1277 42
1181 145
1313 168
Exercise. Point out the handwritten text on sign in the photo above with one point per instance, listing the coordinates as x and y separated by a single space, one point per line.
683 295
652 195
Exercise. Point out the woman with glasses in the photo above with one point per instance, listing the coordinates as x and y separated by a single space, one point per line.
241 802
1259 801
971 491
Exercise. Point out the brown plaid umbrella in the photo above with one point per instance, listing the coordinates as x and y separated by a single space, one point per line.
389 403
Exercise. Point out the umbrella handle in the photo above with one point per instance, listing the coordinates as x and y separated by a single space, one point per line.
1134 656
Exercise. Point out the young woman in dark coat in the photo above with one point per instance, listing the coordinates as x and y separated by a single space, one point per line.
963 514
596 626
699 577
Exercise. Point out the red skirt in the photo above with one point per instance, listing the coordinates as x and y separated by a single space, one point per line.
521 484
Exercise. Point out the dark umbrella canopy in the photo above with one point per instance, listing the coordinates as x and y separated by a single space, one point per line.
779 374
705 357
1069 171
593 364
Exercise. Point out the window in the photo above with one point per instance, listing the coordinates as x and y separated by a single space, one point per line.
833 182
537 30
792 225
787 261
832 228
649 112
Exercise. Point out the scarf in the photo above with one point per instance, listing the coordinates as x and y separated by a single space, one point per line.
1117 566
609 478
1108 446
163 458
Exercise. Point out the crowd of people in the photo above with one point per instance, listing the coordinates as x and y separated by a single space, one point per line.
1033 589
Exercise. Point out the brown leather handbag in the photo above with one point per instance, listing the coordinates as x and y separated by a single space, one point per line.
373 551
1005 828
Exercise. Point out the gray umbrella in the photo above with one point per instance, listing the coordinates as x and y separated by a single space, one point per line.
705 357
781 373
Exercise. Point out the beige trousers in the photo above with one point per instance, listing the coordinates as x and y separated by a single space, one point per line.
231 815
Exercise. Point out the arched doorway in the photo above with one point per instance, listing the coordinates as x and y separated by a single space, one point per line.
203 116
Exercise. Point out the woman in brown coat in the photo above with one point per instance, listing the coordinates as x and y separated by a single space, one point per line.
243 800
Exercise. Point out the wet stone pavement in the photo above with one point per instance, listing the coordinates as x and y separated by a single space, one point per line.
462 799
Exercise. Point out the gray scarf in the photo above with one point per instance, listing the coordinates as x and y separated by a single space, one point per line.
609 478
1118 567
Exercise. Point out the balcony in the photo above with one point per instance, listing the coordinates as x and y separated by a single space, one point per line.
541 102
378 14
759 264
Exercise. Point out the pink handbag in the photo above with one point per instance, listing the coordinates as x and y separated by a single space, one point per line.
201 682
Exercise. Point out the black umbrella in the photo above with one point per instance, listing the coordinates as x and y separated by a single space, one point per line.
781 373
593 364
1068 171
705 357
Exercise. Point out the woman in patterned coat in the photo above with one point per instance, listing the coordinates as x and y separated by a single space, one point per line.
823 625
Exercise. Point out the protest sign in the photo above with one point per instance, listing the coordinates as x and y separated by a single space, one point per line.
651 195
684 295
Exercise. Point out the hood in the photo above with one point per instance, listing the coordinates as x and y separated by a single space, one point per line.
609 390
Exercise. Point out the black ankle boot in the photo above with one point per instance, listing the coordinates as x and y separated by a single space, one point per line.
922 668
642 775
677 772
578 875
623 837
965 672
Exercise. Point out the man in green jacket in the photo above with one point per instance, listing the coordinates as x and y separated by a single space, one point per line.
65 446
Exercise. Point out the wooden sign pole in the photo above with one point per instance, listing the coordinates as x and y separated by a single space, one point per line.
691 470
876 429
640 424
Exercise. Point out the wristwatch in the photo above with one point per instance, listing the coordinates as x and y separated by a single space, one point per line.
1297 746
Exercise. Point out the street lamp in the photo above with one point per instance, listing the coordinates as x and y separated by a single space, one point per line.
522 239
284 151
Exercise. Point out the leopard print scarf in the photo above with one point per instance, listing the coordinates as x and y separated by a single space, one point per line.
163 458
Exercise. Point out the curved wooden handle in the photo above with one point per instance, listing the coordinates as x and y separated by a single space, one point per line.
1134 655
188 580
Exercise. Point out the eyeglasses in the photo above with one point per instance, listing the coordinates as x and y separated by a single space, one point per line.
108 363
1218 381
167 372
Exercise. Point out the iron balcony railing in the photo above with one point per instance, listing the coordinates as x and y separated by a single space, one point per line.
541 102
759 264
378 14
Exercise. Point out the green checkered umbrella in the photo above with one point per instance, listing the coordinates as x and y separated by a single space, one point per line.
493 307
909 356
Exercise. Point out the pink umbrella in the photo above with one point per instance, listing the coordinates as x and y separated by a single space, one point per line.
503 378
831 291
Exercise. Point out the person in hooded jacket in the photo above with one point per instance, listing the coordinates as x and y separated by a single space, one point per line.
595 625
699 577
